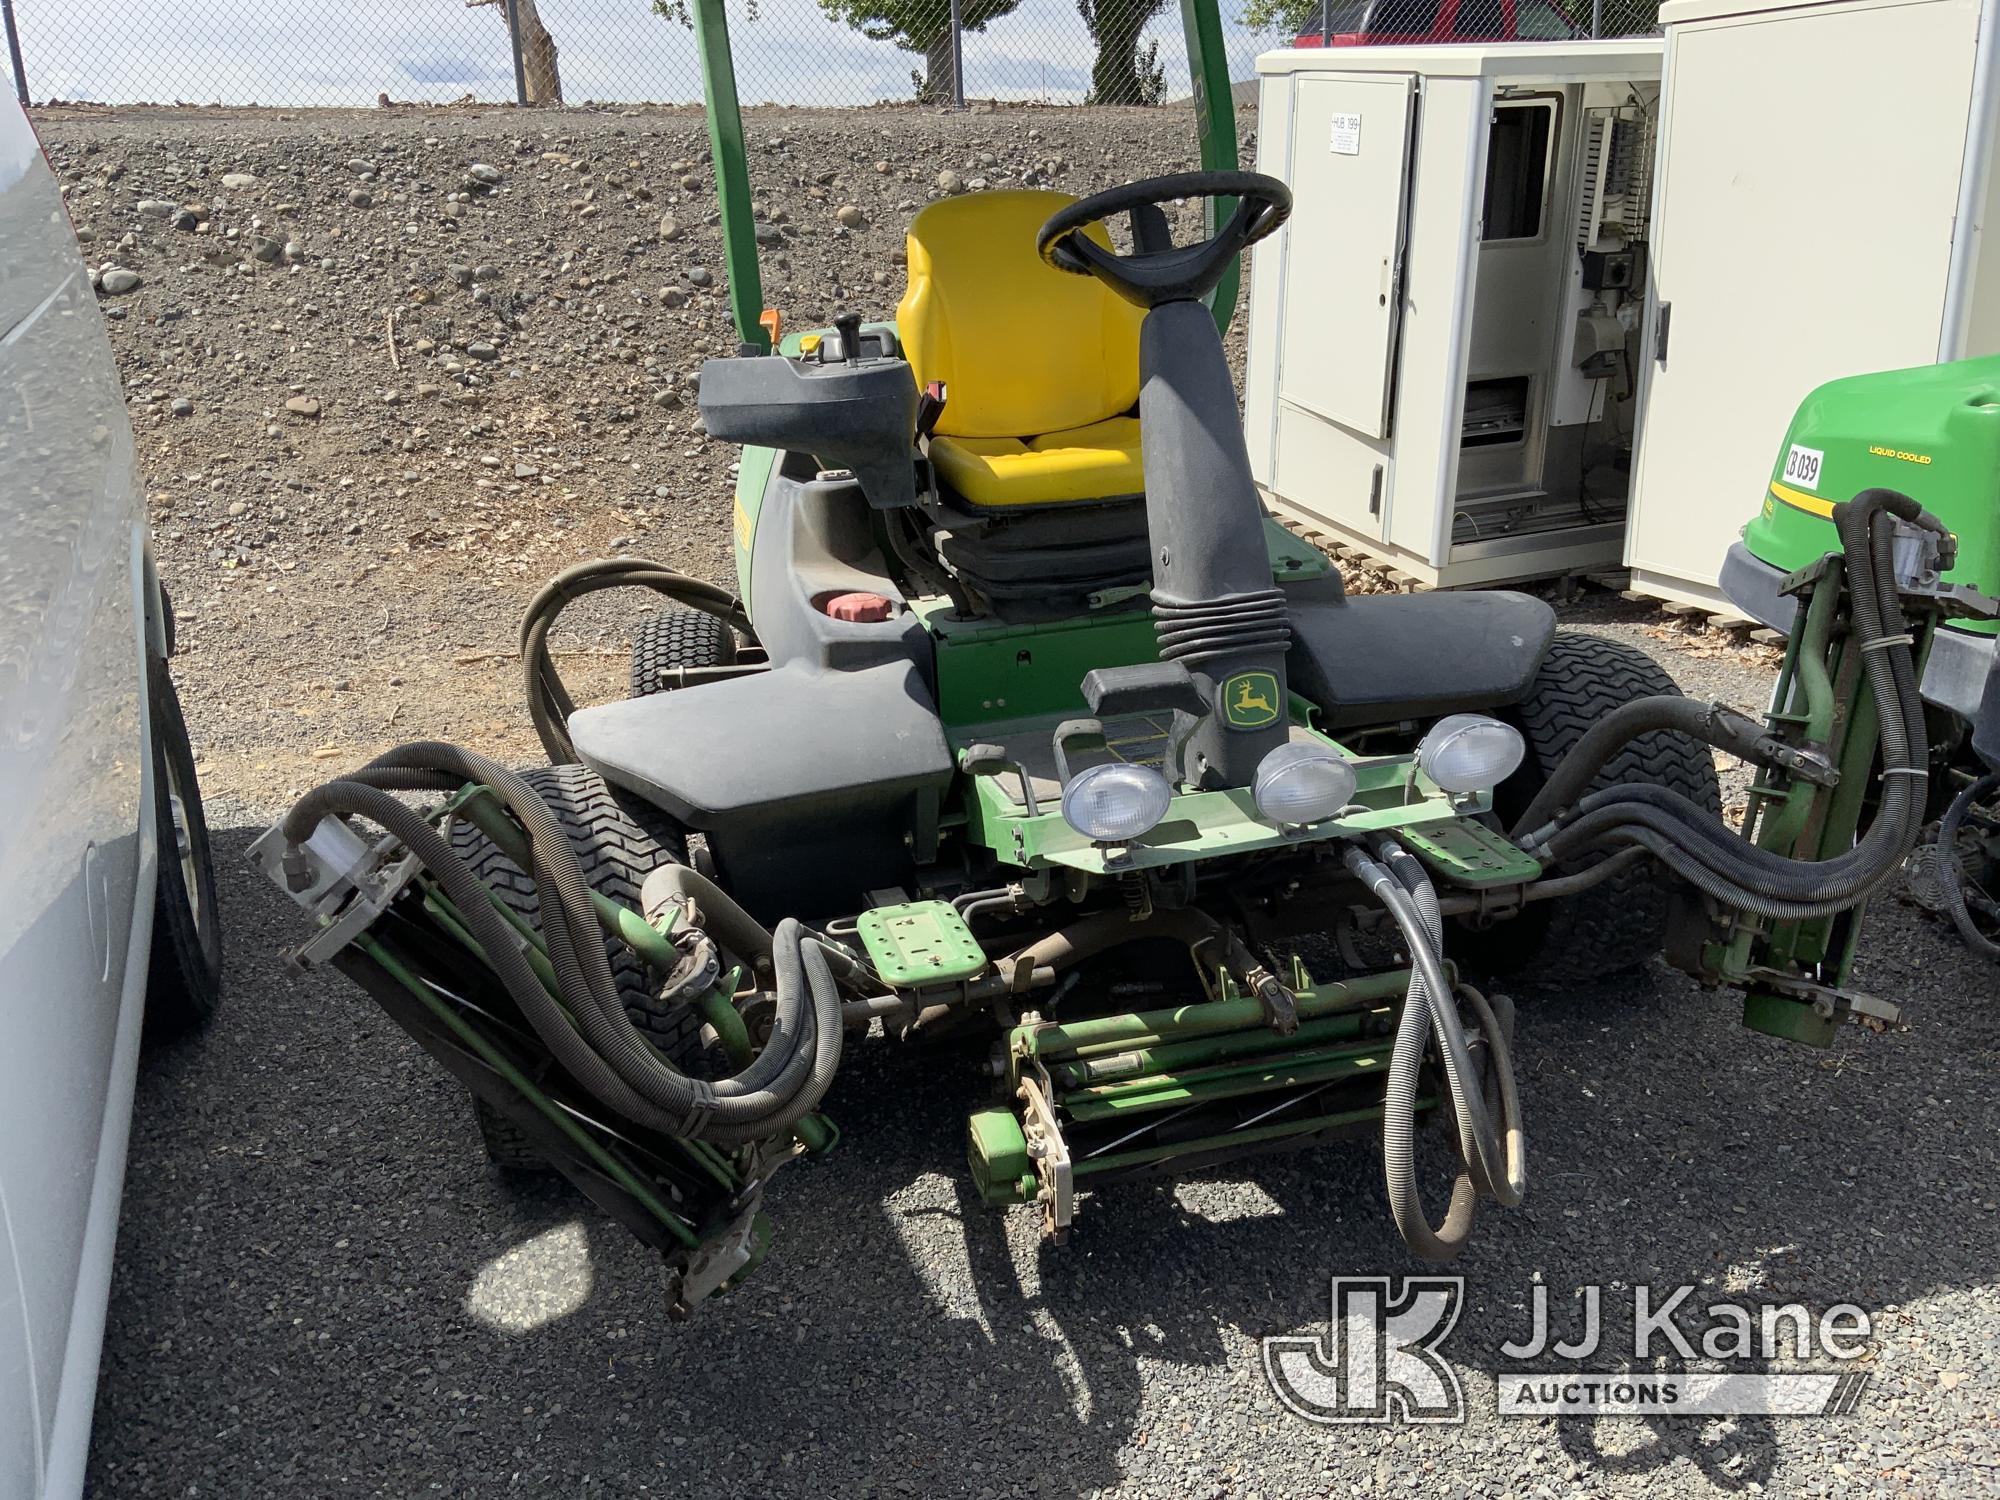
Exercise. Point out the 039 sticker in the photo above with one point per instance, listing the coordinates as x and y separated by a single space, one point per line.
1802 466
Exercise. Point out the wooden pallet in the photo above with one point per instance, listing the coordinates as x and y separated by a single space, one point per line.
1353 560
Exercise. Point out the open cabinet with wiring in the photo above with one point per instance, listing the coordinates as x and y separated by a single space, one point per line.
1444 342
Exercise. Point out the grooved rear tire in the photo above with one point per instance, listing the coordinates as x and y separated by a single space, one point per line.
507 1145
1619 924
619 841
673 637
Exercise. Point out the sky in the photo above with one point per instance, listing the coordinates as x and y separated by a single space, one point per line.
311 52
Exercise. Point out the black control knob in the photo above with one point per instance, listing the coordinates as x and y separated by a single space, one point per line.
848 326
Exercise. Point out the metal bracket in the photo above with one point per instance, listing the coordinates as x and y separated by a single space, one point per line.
1828 1002
708 1269
1754 742
1922 558
1049 1152
343 883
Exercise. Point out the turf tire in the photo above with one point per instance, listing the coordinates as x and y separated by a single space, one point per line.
675 637
1617 926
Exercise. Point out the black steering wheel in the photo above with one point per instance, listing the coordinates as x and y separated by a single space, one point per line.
1157 271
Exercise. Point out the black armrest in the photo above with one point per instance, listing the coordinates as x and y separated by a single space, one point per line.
1149 687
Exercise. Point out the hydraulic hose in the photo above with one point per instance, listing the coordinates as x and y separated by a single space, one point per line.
499 942
549 702
1479 1143
1689 839
763 1088
735 929
1602 742
1951 870
1399 1132
585 1025
721 916
1492 1166
1506 1188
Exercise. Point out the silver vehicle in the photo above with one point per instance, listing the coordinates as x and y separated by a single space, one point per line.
107 897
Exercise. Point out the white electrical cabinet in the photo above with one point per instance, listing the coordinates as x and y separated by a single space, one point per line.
1443 339
1823 179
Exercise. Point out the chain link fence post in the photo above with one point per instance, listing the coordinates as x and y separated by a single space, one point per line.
957 56
14 52
514 45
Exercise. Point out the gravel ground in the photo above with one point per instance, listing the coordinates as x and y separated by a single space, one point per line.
322 1291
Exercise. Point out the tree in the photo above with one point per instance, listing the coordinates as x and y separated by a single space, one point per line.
1122 74
1289 17
538 51
919 26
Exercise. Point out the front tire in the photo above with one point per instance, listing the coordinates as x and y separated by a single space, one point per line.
1618 925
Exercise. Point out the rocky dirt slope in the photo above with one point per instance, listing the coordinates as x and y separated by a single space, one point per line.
391 369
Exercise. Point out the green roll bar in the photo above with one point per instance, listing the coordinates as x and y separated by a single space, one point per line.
1215 116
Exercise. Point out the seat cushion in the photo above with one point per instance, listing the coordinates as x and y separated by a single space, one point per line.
1097 462
1020 346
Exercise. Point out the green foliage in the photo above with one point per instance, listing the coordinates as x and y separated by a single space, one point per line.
677 12
1123 73
918 26
1288 17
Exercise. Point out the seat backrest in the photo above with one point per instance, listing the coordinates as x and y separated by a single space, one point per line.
1022 348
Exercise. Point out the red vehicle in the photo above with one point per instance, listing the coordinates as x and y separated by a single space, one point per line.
1384 23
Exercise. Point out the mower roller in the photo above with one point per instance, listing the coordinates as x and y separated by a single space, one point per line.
1026 737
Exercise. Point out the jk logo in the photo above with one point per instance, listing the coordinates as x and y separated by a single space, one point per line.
1378 1361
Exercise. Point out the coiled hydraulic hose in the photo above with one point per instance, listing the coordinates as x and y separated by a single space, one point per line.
1692 842
1951 870
584 1025
549 702
1494 1160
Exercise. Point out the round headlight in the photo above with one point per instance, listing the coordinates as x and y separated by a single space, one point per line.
1470 752
1303 784
1114 804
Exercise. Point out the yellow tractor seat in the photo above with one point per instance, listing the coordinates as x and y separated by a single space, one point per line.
1040 368
1096 462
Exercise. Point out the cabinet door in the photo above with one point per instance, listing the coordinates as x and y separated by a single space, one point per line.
1344 257
1809 180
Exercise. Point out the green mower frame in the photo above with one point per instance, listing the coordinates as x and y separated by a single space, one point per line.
1117 802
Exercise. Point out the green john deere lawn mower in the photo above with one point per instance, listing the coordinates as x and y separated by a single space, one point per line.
1933 432
1027 738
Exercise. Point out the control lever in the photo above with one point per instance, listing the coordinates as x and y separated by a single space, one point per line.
990 760
848 326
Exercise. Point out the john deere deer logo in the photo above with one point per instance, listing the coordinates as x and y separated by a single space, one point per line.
1250 700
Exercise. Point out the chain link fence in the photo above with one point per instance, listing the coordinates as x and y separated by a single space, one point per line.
793 52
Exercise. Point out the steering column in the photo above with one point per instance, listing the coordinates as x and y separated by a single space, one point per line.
1215 607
